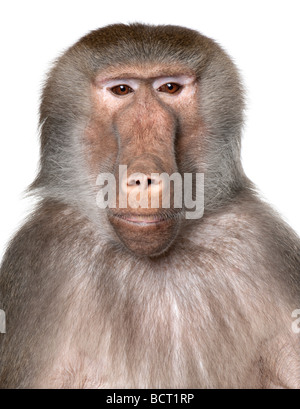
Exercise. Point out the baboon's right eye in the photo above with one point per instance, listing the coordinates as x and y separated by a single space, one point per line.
121 90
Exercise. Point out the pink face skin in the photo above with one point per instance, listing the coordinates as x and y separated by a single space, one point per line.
135 83
138 114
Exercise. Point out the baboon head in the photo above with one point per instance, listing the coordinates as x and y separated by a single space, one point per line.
137 111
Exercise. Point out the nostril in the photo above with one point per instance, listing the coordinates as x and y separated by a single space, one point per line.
153 181
142 180
133 181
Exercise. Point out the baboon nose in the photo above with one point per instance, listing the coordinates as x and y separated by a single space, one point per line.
143 181
142 190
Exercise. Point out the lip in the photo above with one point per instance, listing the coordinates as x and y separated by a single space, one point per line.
141 220
145 233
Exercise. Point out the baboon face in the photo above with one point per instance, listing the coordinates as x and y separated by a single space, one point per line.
148 114
142 104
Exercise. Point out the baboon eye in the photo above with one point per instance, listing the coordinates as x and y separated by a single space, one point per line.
170 88
121 89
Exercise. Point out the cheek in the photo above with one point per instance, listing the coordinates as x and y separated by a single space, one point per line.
190 140
101 146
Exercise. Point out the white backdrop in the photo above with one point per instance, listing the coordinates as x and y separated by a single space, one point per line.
261 36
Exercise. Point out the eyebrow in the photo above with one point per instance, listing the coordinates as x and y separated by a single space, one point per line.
135 76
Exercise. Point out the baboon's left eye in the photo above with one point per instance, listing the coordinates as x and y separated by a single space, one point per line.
170 88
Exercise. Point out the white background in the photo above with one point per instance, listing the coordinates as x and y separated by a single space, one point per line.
262 36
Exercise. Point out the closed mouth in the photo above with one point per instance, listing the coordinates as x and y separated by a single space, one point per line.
142 220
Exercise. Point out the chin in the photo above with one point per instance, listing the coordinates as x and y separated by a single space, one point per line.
146 234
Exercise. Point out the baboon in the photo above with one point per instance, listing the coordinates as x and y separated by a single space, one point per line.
142 296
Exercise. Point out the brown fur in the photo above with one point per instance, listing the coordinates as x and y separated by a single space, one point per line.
95 302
